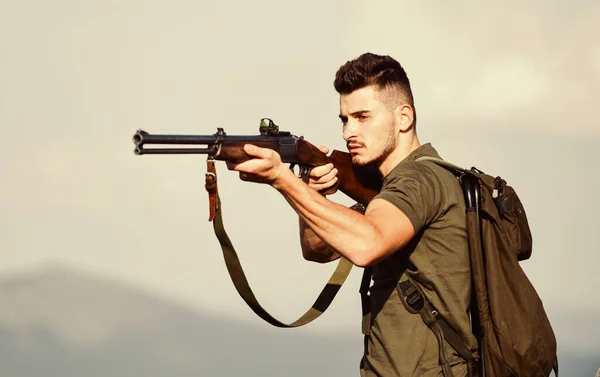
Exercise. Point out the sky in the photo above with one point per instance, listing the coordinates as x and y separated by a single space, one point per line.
508 87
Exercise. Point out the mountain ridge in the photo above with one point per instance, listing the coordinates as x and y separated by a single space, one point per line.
59 321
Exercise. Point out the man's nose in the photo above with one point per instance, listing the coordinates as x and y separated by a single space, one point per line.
349 130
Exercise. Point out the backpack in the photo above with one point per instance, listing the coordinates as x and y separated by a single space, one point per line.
515 337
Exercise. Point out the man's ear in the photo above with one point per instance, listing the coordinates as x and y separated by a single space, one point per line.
404 116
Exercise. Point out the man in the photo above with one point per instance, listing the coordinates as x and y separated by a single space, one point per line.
416 224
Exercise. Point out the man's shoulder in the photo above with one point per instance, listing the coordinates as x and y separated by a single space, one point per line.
418 188
420 172
410 162
425 172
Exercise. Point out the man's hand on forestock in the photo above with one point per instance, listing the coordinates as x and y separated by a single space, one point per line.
265 166
322 177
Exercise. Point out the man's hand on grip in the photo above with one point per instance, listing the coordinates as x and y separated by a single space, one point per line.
322 177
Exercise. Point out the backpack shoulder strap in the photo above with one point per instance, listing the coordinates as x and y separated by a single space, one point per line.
456 169
431 317
415 302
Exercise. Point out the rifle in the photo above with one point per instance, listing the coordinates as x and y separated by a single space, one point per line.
359 183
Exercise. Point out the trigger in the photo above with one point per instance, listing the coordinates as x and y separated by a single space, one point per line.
305 171
292 168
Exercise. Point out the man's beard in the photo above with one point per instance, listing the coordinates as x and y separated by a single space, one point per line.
390 145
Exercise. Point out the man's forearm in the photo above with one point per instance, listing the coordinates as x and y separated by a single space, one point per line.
344 229
313 247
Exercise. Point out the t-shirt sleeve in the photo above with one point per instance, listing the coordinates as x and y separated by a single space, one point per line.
417 192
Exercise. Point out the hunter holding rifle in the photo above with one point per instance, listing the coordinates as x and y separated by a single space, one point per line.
415 226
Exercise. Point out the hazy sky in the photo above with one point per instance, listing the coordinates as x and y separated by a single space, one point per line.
79 77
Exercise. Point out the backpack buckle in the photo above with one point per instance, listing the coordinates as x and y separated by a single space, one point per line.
415 300
411 295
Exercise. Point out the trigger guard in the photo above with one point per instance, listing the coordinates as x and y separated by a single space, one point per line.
304 170
292 166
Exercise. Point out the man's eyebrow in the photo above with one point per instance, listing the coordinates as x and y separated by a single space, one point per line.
356 113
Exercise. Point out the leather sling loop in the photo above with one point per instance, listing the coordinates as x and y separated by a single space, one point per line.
238 277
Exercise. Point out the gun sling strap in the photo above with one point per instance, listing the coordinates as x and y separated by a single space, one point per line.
236 272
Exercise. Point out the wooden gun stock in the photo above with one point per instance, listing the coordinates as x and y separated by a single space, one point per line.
359 183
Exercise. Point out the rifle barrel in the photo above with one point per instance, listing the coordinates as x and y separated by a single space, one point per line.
141 150
142 137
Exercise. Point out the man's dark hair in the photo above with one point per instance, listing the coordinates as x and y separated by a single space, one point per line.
382 71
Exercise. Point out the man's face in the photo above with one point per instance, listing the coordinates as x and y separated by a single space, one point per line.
369 128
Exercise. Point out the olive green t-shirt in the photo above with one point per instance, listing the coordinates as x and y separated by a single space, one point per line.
400 344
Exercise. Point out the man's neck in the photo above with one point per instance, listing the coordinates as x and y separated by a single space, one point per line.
405 147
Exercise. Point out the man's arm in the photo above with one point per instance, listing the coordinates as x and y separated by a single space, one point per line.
313 248
362 239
